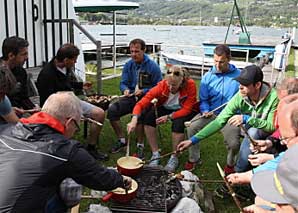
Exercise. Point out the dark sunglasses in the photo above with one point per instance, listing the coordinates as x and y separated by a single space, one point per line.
177 73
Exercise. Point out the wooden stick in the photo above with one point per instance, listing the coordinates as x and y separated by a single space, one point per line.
231 191
127 146
187 123
162 156
249 138
91 121
201 181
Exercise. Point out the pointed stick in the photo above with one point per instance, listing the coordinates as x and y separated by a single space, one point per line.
231 191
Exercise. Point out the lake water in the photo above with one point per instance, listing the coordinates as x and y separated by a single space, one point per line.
176 38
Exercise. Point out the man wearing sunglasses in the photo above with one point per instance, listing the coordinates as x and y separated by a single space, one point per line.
37 154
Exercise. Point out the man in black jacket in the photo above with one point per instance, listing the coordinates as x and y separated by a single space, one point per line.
37 154
58 75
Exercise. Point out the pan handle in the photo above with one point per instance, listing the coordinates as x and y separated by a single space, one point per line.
107 197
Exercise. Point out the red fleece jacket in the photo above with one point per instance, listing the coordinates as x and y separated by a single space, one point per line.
187 99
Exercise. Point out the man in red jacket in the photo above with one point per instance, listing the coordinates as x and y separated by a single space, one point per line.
175 99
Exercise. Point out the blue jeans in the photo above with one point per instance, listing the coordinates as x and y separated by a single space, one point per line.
243 164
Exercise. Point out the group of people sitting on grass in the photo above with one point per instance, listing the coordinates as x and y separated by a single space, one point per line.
239 103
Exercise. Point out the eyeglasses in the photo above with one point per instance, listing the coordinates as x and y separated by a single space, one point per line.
285 140
76 124
177 73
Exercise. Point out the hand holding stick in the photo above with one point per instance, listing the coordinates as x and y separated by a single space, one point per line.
231 191
249 138
154 102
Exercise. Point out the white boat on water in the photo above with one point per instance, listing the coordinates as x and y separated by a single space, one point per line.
196 62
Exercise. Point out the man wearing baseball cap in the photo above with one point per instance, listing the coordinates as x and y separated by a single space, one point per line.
253 107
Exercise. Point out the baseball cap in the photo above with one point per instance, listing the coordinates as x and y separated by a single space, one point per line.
279 186
249 75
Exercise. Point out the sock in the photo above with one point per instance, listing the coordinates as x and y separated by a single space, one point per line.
122 140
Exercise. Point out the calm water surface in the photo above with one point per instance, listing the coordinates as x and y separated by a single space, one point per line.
176 38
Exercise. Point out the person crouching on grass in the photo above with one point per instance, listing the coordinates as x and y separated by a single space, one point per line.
176 97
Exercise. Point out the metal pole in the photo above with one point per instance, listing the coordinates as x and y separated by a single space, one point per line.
99 68
71 32
114 41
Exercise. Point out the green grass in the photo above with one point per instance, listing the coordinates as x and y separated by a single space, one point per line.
212 150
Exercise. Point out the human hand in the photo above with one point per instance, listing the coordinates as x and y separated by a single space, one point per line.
240 178
138 92
127 181
161 120
254 209
18 111
207 114
258 159
236 120
87 85
126 92
131 126
183 145
262 146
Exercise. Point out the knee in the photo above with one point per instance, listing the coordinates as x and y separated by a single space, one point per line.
234 145
98 114
253 132
192 129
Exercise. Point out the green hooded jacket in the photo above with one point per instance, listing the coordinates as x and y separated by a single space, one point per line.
261 115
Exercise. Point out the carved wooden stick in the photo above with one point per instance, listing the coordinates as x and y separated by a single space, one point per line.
231 191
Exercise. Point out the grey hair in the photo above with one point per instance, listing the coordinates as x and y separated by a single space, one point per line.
63 105
289 84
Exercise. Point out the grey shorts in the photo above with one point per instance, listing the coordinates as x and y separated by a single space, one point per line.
86 108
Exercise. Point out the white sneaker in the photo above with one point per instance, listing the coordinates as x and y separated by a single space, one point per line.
172 164
155 162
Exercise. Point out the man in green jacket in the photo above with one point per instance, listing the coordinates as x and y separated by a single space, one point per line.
253 107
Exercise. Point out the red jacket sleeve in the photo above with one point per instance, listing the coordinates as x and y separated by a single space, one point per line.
145 102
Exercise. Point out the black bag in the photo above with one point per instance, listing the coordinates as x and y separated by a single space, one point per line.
144 80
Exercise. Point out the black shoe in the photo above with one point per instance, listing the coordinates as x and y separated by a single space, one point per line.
98 155
117 147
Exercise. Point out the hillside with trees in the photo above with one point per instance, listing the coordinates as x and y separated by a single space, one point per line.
274 13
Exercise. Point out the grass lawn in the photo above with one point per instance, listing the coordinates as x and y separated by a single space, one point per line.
212 151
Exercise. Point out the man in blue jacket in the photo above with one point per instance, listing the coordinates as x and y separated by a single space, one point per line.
138 76
217 88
